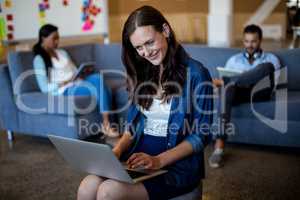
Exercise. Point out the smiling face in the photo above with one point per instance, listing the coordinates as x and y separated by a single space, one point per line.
150 44
51 41
251 42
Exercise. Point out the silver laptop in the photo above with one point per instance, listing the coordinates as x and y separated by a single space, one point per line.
99 159
227 72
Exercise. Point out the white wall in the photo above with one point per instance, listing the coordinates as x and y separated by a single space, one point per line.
68 18
220 23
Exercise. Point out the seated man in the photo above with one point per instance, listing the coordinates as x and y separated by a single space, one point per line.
256 65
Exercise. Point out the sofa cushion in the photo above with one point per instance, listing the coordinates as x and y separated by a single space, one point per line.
253 131
109 57
290 59
267 108
41 103
81 53
21 71
210 57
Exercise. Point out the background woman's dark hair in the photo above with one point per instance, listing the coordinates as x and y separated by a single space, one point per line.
140 70
44 32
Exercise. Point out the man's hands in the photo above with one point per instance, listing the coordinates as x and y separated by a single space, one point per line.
144 160
218 82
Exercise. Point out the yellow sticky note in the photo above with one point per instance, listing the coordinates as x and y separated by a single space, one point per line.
8 3
42 22
1 48
42 14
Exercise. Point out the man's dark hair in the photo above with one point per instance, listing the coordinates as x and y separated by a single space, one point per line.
254 29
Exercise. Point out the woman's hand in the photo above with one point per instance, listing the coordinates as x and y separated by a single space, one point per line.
122 144
117 152
64 83
145 161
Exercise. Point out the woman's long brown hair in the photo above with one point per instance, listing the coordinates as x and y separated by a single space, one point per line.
139 70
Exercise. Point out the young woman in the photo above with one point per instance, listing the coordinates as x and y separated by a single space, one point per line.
172 103
54 70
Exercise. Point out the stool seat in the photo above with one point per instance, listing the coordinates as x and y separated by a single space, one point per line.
196 194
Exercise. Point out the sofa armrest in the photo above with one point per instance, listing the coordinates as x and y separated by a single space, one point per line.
8 109
6 95
43 103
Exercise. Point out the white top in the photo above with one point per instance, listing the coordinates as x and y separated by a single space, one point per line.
157 118
63 69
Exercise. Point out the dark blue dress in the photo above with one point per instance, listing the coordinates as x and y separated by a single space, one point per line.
158 187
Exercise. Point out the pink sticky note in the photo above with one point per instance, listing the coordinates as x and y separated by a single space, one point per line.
87 26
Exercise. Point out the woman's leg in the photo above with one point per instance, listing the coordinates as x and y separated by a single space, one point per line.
115 190
104 99
103 93
88 187
94 85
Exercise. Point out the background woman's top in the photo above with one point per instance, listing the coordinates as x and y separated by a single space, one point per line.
62 70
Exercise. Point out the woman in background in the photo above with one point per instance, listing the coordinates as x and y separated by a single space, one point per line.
54 71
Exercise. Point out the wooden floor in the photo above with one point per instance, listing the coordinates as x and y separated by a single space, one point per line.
31 168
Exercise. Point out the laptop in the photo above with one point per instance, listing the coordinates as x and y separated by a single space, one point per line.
84 69
99 159
226 72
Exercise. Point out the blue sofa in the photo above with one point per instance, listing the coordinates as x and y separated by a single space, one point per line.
251 128
61 118
254 129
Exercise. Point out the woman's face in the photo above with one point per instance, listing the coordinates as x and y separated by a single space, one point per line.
51 42
150 44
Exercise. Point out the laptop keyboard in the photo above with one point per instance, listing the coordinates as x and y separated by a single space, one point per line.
135 174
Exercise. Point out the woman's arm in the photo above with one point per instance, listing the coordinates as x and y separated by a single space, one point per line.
123 144
179 152
202 116
41 76
168 157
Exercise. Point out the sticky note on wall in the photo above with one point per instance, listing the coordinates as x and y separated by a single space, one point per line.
9 17
90 10
10 27
10 36
65 2
8 3
2 28
42 14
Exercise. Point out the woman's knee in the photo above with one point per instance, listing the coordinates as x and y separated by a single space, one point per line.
88 187
111 190
267 67
97 80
